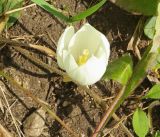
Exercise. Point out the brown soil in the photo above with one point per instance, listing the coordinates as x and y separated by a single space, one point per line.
77 110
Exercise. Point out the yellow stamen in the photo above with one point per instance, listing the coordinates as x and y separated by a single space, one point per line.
84 57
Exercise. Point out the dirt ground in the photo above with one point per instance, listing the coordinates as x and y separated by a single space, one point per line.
72 105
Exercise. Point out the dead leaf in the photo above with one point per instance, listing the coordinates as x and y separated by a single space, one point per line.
154 76
135 40
34 124
43 49
3 21
66 78
1 106
4 132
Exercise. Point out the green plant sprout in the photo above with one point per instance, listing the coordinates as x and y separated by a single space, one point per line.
7 20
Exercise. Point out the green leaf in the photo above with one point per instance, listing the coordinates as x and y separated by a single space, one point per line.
51 9
158 58
1 6
9 20
156 40
149 28
46 6
140 122
11 4
140 72
88 12
146 7
157 134
157 63
120 70
14 16
157 66
154 92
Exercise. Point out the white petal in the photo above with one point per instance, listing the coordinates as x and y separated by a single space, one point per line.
89 73
63 44
65 38
87 38
69 61
100 52
60 61
105 45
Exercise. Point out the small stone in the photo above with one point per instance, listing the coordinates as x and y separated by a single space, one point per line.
34 124
65 103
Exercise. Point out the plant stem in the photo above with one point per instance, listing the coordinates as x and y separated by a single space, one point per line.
102 103
108 113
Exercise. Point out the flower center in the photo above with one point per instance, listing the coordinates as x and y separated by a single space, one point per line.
82 59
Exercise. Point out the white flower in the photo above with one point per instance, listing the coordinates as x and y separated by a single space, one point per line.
84 54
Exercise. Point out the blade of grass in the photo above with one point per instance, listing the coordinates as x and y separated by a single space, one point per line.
88 12
51 9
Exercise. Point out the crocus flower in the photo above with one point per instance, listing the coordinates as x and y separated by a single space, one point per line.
84 54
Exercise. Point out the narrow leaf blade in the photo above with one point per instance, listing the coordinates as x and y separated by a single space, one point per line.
88 12
46 6
140 71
